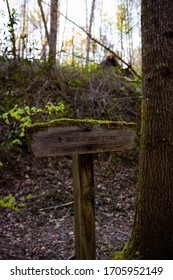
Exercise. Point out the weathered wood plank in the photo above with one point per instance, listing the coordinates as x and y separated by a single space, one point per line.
83 176
69 137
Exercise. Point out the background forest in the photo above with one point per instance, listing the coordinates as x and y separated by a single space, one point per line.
65 59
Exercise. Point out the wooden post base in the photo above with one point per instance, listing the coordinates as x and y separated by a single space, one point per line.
83 176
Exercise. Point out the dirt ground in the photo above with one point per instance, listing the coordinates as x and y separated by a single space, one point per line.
44 227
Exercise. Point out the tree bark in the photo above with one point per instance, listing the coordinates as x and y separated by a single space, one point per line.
152 236
53 29
90 31
83 177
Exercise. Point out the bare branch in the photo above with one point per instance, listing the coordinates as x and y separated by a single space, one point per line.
102 45
44 19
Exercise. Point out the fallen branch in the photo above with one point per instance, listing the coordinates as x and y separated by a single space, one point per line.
105 47
56 207
101 44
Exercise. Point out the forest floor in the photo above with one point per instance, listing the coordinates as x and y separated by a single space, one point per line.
44 227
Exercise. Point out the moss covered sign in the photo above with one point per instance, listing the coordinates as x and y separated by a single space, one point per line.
68 136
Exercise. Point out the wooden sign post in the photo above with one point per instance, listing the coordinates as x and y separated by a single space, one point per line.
81 138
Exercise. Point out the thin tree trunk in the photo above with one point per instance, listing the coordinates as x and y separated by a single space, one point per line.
90 31
44 20
128 31
64 31
23 28
53 29
11 26
86 13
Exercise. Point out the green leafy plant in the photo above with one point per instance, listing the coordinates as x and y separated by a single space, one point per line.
18 119
29 196
9 202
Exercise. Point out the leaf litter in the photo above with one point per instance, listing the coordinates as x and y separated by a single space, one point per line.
44 227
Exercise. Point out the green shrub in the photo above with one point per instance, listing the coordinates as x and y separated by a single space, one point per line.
17 119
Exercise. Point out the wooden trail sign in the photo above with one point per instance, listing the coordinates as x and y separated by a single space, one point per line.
81 138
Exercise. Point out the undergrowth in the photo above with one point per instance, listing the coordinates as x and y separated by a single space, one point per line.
30 93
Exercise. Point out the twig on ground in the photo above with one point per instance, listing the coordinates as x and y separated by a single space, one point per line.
55 207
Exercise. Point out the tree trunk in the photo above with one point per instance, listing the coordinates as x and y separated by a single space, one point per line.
52 41
89 31
53 28
11 24
24 28
152 235
44 20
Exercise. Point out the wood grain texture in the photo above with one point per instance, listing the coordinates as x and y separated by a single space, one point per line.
80 139
83 176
